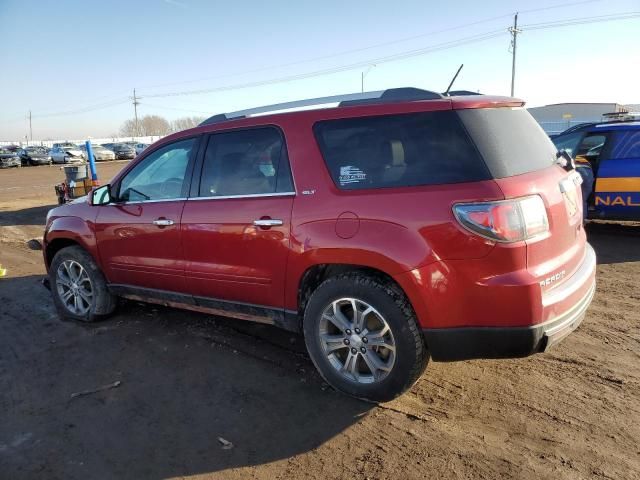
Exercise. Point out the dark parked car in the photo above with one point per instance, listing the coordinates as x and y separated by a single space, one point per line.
35 156
123 151
396 227
9 159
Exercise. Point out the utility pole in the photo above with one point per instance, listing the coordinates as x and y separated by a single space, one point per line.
514 33
30 129
135 111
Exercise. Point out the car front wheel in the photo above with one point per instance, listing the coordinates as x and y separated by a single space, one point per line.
363 338
78 286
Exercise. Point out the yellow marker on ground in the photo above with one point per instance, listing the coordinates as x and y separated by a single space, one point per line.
3 271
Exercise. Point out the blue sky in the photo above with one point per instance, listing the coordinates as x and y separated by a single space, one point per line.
70 55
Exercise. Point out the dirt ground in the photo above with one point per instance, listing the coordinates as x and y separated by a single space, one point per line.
187 379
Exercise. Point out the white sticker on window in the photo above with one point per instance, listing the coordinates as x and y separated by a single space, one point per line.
351 174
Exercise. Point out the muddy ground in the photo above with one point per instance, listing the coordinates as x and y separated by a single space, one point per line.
187 379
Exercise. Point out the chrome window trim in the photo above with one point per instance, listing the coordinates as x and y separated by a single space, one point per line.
254 195
163 200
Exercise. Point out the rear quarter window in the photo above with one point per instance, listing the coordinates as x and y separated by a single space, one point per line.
428 148
510 141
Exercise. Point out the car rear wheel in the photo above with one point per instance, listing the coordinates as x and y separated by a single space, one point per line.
78 286
363 338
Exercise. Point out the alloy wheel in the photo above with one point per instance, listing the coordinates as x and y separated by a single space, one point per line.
357 340
74 287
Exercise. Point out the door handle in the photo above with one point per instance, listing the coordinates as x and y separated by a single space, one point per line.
163 222
267 222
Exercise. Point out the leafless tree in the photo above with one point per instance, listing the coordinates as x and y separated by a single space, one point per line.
185 122
154 125
128 128
147 126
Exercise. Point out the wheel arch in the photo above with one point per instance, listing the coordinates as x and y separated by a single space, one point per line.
314 275
68 231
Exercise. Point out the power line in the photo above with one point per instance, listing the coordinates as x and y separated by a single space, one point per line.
399 56
560 5
370 47
162 107
333 55
85 109
582 21
341 68
384 59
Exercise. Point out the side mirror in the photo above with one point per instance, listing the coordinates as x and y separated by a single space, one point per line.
101 195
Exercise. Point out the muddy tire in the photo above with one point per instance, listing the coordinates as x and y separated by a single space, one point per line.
78 286
362 335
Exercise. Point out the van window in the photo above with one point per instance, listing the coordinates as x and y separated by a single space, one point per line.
626 144
245 162
427 148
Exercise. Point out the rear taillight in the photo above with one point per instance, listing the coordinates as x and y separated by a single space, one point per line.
505 220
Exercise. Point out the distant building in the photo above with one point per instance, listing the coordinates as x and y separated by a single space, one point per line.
560 116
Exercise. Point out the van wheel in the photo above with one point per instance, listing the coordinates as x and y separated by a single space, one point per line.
78 286
363 337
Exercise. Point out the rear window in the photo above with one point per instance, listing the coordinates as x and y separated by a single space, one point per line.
427 148
509 139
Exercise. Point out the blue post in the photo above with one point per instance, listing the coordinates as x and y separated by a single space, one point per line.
92 164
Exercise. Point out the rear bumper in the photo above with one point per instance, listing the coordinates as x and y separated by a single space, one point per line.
451 344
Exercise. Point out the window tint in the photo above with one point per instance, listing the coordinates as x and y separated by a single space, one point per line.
509 139
245 162
398 151
160 176
626 144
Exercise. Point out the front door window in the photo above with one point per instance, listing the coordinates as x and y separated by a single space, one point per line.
160 176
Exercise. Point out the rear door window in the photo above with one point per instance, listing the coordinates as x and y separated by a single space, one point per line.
427 148
245 162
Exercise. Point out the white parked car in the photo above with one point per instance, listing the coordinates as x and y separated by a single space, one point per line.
99 152
140 147
66 154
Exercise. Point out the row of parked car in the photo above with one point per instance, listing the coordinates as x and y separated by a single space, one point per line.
66 152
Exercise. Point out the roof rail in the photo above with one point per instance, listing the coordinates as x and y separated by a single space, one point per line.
458 93
366 98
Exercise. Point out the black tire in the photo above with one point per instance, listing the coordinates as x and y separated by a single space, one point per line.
411 351
103 302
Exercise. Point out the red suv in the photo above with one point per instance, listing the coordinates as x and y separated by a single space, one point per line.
389 228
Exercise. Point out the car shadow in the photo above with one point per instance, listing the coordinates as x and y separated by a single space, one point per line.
614 242
26 216
196 394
